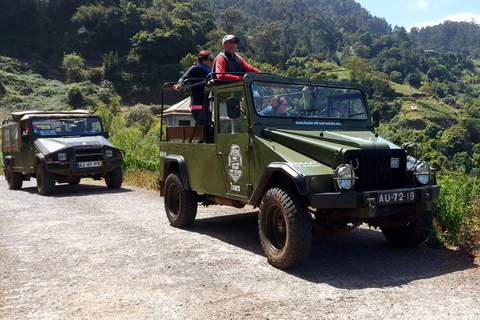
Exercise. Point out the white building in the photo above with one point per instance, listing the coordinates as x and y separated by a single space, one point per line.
179 114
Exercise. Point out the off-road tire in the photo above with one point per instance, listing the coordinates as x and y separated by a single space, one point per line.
411 234
180 204
285 228
14 179
45 181
114 178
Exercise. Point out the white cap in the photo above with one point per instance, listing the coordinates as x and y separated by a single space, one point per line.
229 37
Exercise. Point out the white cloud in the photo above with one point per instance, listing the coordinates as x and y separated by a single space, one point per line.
418 4
465 16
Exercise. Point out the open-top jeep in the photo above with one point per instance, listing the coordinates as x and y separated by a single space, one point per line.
319 167
62 146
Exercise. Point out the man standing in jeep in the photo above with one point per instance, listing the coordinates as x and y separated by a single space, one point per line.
229 61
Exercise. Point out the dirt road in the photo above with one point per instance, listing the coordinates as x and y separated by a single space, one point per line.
88 252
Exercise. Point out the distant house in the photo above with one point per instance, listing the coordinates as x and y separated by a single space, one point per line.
179 114
430 53
413 108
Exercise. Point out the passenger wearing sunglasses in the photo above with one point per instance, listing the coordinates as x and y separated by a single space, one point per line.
197 73
229 61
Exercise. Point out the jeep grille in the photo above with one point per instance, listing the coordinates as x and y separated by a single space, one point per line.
88 154
374 170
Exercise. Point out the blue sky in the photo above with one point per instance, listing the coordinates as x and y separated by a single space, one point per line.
422 13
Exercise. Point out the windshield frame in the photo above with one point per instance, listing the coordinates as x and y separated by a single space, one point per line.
312 101
65 126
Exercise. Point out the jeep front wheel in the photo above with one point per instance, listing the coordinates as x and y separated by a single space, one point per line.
14 179
411 234
114 178
45 181
285 228
180 204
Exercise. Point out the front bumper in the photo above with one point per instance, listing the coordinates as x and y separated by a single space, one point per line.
70 168
375 199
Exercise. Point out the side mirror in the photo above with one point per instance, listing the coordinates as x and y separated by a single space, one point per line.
105 135
233 108
376 118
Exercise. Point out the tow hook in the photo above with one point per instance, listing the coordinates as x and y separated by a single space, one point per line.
372 206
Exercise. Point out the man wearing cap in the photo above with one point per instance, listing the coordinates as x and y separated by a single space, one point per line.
229 61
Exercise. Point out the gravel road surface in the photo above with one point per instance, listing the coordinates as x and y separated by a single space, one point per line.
88 252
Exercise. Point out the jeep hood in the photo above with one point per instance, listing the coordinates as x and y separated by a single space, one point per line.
49 145
326 146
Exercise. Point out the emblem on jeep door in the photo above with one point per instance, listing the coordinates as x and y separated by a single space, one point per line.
235 166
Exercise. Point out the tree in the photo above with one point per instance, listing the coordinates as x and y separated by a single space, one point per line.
74 67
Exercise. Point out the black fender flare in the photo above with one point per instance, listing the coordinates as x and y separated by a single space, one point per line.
285 169
182 167
39 160
8 160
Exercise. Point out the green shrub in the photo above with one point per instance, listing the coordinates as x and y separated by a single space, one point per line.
141 149
75 97
3 89
74 67
457 211
139 115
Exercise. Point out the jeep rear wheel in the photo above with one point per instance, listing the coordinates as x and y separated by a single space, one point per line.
411 234
45 181
180 204
14 179
285 228
114 178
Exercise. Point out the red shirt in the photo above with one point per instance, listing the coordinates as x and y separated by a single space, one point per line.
221 66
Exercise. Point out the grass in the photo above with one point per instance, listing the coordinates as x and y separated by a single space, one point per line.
142 178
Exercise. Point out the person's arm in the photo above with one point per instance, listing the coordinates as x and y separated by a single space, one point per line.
220 67
185 76
189 74
246 66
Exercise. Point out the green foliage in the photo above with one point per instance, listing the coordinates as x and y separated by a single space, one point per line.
396 76
141 149
457 211
74 67
140 116
75 97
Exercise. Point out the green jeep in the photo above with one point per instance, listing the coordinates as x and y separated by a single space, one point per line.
319 167
62 146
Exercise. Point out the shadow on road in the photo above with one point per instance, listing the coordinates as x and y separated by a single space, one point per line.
82 189
356 260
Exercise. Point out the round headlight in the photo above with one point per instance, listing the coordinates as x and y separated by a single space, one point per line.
344 177
422 172
314 183
62 156
109 153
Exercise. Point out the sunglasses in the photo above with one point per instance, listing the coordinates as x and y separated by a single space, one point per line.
231 42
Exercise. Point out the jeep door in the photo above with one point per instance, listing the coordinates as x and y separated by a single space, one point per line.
232 146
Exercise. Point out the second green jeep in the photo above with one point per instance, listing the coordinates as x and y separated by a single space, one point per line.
58 146
318 167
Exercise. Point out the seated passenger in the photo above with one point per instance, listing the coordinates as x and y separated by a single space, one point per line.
278 107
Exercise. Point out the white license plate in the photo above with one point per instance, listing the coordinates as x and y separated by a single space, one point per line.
89 164
392 197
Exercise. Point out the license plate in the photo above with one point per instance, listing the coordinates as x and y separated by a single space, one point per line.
89 164
392 197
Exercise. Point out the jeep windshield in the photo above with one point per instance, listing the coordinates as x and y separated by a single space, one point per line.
273 99
66 126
